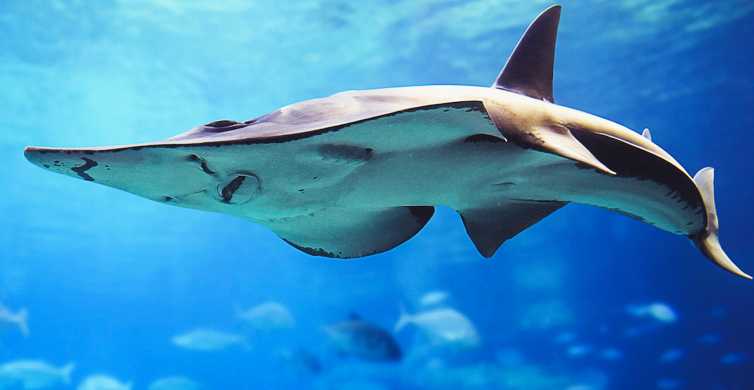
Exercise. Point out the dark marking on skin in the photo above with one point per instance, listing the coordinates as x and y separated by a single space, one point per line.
482 138
629 161
202 163
301 190
222 126
505 183
167 198
45 165
222 123
633 216
345 153
230 188
81 169
312 251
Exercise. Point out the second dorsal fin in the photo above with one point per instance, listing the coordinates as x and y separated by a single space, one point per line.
529 69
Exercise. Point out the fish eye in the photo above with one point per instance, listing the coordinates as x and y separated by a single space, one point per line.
222 123
241 189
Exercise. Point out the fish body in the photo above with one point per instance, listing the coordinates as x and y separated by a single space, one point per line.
433 298
103 382
35 374
174 383
359 172
364 340
268 316
208 340
443 325
657 311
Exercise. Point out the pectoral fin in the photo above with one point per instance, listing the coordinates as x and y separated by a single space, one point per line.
349 233
489 227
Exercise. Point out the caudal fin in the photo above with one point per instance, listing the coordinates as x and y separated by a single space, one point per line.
66 372
707 240
403 320
22 320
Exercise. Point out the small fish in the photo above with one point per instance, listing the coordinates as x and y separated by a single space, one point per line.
174 383
364 340
267 316
35 374
19 319
658 311
578 350
733 358
611 354
443 325
433 298
671 355
103 382
208 340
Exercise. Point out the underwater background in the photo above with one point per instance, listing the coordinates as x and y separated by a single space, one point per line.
117 285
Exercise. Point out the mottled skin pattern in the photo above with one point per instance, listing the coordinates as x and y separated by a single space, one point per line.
359 172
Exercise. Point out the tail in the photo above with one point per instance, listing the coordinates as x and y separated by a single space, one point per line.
707 240
403 320
66 372
22 320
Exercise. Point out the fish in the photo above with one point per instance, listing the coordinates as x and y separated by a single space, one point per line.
658 311
267 316
578 350
208 340
611 354
19 319
174 383
433 298
364 340
442 325
103 382
360 172
671 355
734 358
35 374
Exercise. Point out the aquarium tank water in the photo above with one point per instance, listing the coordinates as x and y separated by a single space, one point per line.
101 289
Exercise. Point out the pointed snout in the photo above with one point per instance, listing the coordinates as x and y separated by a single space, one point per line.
152 171
71 162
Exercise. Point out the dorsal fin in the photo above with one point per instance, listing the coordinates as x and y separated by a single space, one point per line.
647 134
529 69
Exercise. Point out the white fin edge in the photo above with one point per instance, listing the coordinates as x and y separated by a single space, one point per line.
647 134
707 240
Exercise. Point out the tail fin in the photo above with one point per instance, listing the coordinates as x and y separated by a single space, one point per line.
22 320
66 372
403 320
707 240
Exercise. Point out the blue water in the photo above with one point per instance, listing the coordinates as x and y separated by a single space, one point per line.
109 278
